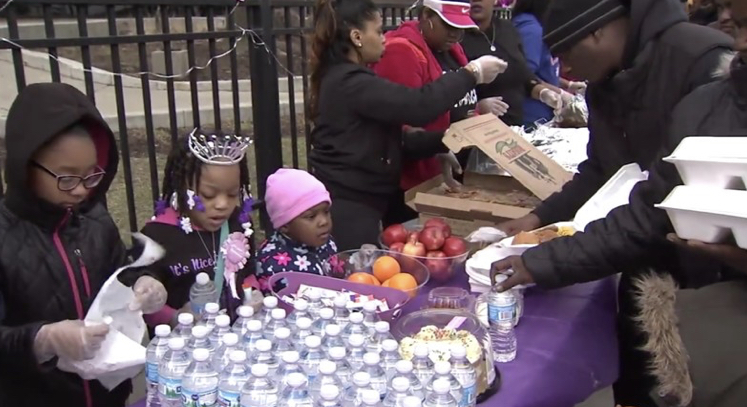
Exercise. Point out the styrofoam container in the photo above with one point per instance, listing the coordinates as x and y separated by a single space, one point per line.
717 162
707 215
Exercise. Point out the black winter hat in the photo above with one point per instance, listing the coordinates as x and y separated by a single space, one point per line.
569 21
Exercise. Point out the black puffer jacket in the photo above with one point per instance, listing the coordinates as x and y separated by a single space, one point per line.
52 262
631 236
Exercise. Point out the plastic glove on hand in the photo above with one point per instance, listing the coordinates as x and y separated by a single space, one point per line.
577 88
70 339
450 165
551 99
488 67
150 295
494 105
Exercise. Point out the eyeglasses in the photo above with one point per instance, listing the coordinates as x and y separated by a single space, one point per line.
70 182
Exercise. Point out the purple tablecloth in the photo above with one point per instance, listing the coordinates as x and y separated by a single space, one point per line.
567 346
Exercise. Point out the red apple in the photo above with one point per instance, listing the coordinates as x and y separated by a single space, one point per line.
438 265
396 247
394 234
432 238
412 248
439 223
413 236
454 246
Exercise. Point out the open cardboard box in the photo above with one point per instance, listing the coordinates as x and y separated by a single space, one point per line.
534 178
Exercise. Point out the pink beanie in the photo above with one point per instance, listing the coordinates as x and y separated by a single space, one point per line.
290 193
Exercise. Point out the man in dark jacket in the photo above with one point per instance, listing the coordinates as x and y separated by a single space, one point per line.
632 237
58 245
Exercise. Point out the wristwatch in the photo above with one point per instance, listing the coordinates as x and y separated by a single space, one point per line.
474 69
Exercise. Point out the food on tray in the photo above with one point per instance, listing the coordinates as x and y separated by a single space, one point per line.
327 297
514 198
439 341
543 235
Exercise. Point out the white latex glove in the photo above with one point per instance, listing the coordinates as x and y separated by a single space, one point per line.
557 101
150 295
494 105
577 88
70 339
450 165
488 67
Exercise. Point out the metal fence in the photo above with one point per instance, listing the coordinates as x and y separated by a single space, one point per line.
253 28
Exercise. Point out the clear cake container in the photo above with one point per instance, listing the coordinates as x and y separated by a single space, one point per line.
716 162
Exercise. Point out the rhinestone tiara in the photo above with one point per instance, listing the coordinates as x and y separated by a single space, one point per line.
218 149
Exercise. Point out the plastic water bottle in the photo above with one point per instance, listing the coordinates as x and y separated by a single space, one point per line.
356 351
327 376
518 292
289 364
311 356
332 338
404 370
246 314
263 355
252 336
399 391
209 314
371 365
501 310
200 340
412 401
303 331
282 341
466 375
232 379
277 320
315 303
184 328
440 397
443 372
259 390
300 310
156 349
422 364
222 356
202 292
329 396
175 361
355 326
370 398
352 395
200 382
222 327
370 317
342 315
295 394
268 304
326 317
381 334
343 371
389 357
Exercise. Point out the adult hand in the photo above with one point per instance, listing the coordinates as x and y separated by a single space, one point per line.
70 339
517 273
450 165
487 67
577 88
494 105
730 255
523 224
556 100
150 295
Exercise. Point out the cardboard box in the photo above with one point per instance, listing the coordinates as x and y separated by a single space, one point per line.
534 178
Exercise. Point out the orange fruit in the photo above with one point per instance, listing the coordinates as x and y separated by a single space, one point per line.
385 267
361 278
404 282
386 283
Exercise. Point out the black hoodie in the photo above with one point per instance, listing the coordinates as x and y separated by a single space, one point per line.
53 261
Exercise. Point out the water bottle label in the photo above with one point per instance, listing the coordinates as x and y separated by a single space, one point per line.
501 313
197 308
151 372
228 398
199 399
170 388
469 395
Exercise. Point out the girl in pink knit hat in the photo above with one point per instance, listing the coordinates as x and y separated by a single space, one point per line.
298 205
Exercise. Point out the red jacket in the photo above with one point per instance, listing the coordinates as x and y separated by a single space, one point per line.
409 61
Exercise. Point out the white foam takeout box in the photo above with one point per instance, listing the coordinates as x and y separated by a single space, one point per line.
716 162
707 214
615 192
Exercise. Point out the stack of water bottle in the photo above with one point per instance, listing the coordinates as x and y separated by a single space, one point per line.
315 356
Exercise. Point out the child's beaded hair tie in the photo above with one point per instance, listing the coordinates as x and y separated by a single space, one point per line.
218 149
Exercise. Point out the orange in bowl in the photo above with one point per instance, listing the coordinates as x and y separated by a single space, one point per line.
403 282
386 267
363 278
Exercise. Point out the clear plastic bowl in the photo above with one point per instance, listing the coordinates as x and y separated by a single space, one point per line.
361 260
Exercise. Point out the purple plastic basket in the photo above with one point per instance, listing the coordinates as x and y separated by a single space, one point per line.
395 298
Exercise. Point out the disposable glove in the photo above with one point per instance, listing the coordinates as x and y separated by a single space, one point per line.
150 295
494 105
70 339
488 67
450 165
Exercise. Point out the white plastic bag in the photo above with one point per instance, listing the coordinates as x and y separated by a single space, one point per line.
122 356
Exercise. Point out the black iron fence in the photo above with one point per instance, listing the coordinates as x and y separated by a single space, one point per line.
246 71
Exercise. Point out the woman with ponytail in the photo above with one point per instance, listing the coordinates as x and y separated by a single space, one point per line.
357 143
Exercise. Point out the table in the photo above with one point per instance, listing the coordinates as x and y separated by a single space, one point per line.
567 346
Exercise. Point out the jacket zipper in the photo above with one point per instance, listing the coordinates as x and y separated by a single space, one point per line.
74 285
83 272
